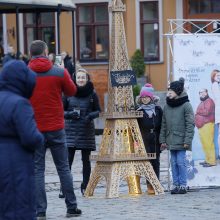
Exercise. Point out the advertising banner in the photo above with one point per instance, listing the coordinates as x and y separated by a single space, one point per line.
197 59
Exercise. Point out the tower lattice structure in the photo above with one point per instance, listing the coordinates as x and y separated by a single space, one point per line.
122 155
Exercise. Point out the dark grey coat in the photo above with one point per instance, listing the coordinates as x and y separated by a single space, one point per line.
79 124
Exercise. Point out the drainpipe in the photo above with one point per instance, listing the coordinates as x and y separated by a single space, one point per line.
17 32
74 52
5 38
58 27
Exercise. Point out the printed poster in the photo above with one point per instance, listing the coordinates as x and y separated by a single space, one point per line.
197 59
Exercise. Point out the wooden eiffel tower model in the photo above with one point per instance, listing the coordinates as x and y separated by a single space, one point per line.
122 154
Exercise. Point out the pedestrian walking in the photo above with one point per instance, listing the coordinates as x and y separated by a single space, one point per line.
67 61
150 126
19 138
177 131
9 56
48 107
205 122
215 79
80 112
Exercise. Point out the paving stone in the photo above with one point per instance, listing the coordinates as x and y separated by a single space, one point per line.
199 204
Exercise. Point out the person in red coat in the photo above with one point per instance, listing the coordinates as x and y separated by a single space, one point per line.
47 103
204 121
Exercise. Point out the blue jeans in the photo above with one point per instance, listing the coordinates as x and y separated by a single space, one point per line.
56 141
179 167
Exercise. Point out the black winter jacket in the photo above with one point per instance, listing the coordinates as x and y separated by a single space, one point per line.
80 110
68 65
150 130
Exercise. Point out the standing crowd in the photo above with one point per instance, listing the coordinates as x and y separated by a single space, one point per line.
44 106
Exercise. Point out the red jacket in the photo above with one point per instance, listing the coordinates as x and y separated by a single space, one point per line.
47 96
205 113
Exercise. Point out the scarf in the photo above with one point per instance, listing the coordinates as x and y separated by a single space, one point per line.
177 102
83 91
149 109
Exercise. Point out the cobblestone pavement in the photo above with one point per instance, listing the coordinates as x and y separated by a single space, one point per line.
200 204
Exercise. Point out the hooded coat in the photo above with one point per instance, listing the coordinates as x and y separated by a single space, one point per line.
178 124
47 96
19 137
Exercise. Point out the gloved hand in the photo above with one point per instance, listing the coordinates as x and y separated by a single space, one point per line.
186 146
74 115
163 146
87 118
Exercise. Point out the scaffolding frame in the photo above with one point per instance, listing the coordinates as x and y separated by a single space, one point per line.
180 26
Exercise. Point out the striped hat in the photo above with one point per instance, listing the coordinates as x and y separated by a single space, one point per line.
147 91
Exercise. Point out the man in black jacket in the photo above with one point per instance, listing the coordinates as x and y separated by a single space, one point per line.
67 60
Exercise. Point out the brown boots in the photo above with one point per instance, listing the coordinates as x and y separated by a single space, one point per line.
150 189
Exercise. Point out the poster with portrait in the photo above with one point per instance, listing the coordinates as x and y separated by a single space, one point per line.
197 59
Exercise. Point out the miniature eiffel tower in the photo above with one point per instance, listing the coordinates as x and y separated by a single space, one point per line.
122 154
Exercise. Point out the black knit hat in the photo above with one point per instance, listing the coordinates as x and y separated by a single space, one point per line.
177 86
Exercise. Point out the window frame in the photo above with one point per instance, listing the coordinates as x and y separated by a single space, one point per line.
93 24
187 15
37 26
160 28
152 21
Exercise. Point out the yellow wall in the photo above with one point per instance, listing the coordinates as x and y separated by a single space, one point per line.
130 26
11 23
66 34
158 73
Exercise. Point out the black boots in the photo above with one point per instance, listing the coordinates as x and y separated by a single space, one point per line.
73 212
83 188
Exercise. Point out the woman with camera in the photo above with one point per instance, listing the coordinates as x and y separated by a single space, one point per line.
80 110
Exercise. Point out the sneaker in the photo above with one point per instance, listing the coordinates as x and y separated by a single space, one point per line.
41 216
208 165
73 212
175 190
182 190
203 163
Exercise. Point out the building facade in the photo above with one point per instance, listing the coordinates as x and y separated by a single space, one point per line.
145 26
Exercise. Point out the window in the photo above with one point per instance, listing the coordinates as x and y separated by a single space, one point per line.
149 27
92 32
203 6
202 9
39 26
196 29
